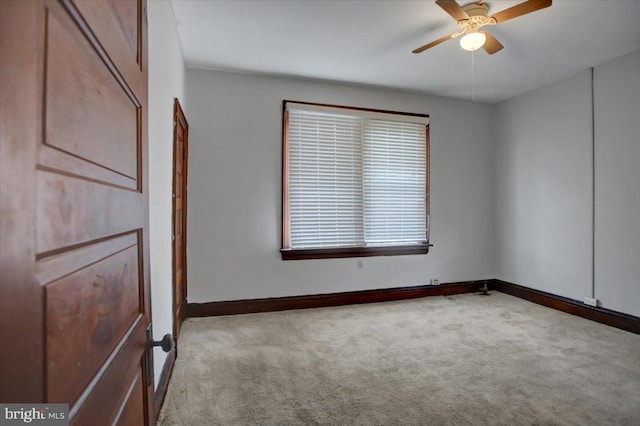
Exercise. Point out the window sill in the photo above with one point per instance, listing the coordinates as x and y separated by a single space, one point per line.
331 253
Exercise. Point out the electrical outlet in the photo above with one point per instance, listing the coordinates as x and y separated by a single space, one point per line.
360 263
591 301
434 281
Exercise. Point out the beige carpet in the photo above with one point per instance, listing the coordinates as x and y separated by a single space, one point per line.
457 360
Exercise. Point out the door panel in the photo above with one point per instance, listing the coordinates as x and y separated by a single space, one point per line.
109 21
89 310
81 270
132 410
82 95
107 396
127 16
64 222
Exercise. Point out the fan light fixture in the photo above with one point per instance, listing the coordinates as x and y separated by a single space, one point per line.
474 16
473 41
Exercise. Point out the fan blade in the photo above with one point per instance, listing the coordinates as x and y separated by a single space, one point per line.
521 9
453 9
492 45
435 43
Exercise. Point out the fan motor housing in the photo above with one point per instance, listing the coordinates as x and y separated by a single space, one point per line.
477 17
476 9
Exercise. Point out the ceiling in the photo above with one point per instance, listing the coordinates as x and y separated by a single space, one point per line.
370 42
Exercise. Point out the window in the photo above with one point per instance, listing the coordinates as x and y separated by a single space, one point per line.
355 182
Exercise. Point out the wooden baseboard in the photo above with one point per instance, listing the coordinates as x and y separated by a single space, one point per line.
163 381
601 315
334 299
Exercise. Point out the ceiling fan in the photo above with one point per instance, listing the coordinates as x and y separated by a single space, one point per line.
474 16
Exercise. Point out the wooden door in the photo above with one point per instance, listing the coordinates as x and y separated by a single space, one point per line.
180 163
74 246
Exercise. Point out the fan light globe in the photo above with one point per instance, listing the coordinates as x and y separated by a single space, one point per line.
473 41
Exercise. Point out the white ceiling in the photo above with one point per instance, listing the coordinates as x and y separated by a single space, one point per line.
370 42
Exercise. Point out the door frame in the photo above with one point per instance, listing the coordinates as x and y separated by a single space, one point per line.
179 307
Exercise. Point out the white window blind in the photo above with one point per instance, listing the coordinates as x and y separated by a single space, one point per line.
394 177
355 178
325 180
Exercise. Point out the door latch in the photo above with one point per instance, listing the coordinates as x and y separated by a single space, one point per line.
166 343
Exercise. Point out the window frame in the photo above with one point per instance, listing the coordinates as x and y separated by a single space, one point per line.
356 251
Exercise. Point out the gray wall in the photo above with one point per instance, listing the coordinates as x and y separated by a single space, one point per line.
235 191
166 82
544 208
543 188
512 189
617 189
